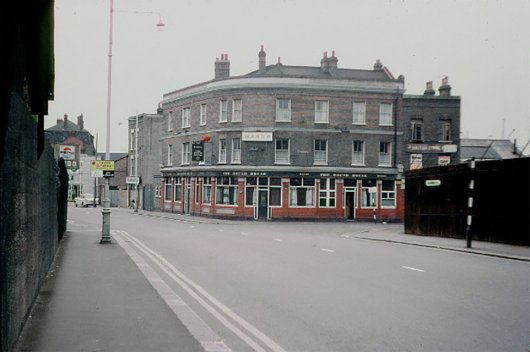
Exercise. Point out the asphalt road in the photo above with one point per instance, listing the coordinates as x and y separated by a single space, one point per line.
313 287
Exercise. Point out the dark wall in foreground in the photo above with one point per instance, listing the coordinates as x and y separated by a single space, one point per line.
29 221
501 201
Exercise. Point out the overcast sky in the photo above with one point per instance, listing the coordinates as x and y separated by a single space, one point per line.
482 46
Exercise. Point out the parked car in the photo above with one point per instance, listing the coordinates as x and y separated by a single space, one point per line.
85 200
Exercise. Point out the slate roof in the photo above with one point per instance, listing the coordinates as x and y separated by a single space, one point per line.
60 132
280 70
486 149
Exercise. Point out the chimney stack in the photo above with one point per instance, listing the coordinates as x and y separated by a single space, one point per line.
159 110
445 88
332 61
262 60
65 120
59 121
80 122
222 67
324 63
378 66
428 89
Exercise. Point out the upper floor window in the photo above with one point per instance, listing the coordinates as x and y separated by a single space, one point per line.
321 111
237 110
186 117
416 130
283 110
446 131
170 121
320 152
385 114
358 153
359 113
222 151
236 150
281 155
202 114
385 151
223 111
185 153
169 156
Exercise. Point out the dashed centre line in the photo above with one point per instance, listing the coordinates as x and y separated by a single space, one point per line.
327 250
278 240
413 269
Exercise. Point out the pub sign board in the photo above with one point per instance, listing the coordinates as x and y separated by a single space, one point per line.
197 151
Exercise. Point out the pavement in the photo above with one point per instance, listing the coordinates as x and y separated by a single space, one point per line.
95 299
85 306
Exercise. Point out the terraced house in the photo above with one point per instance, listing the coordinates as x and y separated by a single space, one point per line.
284 142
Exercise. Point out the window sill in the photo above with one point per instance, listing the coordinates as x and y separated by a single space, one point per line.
384 165
320 164
358 164
282 163
385 125
322 122
235 162
359 123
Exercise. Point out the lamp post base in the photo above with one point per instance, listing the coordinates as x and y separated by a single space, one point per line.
105 233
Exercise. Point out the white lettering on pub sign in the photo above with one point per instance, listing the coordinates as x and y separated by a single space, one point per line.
257 136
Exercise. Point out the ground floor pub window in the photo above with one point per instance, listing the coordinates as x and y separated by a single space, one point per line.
178 189
206 190
250 191
226 191
369 194
388 194
168 191
302 192
272 184
327 193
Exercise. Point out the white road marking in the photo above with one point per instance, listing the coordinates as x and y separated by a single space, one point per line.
413 269
278 240
327 250
202 296
221 230
210 341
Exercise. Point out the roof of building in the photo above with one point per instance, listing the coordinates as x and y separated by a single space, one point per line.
280 70
487 149
113 156
66 129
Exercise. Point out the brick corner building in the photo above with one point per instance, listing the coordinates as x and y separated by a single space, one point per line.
286 142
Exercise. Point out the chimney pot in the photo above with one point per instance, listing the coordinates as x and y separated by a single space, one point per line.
445 88
428 89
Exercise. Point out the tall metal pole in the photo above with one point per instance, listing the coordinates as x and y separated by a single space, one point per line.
105 233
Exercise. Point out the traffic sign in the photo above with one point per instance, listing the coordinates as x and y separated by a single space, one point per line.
105 165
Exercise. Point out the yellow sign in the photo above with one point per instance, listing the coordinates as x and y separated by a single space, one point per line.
104 165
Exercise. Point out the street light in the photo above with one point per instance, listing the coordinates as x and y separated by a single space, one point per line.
105 233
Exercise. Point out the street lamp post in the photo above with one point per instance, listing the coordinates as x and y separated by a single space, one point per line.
105 233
